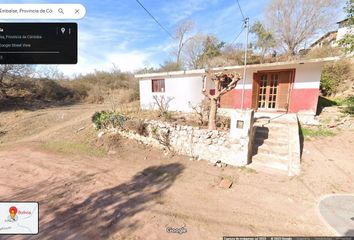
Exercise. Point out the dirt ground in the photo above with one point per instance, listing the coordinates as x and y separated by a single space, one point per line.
124 190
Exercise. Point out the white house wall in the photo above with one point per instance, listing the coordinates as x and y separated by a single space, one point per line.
344 30
183 90
186 87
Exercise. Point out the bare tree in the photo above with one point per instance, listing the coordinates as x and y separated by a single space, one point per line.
223 83
233 54
202 49
163 104
9 73
181 36
193 50
49 72
201 110
295 21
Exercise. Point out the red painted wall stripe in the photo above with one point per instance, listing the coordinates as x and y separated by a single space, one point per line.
232 99
303 99
300 99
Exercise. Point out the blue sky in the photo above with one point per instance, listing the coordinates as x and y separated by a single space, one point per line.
120 32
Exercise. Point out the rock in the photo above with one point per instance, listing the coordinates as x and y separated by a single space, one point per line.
208 141
225 183
112 152
100 134
183 132
98 143
214 136
80 129
217 162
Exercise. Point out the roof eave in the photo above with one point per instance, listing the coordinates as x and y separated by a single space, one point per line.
201 71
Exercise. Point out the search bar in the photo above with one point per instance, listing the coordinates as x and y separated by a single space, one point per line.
42 11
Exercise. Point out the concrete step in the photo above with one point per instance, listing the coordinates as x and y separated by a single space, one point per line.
271 134
270 128
271 149
270 157
271 125
268 151
281 142
272 168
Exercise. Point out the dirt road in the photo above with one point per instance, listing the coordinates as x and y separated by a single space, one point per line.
134 192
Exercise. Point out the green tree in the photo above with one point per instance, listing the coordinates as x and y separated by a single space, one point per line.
347 42
212 47
265 40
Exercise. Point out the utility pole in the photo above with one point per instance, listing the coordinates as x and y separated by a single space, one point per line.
247 26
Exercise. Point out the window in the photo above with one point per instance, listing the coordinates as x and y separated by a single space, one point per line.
158 85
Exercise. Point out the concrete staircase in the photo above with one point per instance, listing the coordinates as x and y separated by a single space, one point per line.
271 145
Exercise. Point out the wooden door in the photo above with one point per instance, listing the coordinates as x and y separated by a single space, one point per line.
284 87
255 89
271 90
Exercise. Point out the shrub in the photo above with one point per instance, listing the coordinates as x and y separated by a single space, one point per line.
116 97
348 105
335 76
316 132
201 110
98 118
105 119
163 105
137 126
97 87
322 52
167 116
95 95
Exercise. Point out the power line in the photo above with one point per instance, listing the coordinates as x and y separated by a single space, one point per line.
155 19
238 35
239 7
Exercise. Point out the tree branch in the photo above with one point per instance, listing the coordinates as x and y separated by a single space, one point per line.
231 85
204 90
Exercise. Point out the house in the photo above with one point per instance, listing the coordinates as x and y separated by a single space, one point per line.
344 27
289 87
331 38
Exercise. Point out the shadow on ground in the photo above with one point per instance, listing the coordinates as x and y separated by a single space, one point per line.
322 103
301 139
19 103
103 213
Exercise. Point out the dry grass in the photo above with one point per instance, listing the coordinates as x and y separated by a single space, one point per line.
65 147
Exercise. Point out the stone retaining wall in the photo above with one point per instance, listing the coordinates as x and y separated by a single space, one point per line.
192 141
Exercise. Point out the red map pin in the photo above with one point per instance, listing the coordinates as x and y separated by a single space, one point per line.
13 211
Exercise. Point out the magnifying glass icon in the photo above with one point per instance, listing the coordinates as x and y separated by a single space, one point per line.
60 10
